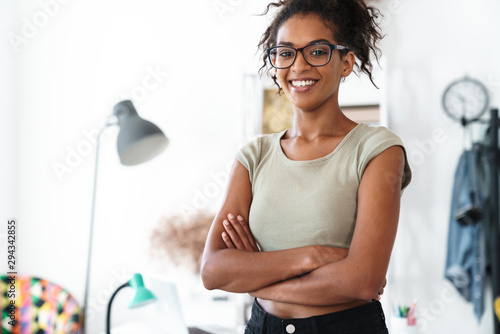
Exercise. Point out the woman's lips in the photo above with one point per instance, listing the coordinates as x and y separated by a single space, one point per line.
302 86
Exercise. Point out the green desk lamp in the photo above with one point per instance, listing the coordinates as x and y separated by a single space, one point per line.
141 297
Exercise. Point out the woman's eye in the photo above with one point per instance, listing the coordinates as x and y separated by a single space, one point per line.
318 52
286 54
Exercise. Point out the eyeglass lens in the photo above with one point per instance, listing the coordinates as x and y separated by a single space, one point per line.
315 55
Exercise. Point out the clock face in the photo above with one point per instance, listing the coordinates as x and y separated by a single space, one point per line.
465 99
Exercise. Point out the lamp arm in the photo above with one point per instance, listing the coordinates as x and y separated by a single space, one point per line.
91 232
108 314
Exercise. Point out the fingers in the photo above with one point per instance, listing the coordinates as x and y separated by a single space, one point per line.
381 290
227 240
245 227
243 233
238 233
232 235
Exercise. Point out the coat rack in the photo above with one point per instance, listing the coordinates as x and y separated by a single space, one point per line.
465 100
495 258
494 222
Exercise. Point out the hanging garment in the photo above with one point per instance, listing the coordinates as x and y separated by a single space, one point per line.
466 256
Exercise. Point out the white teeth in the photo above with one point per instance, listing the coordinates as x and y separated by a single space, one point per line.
303 83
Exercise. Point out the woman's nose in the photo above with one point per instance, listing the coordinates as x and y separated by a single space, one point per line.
300 63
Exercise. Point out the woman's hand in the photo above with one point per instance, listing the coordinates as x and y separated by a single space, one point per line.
237 234
381 290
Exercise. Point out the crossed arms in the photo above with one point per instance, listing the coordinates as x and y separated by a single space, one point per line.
311 275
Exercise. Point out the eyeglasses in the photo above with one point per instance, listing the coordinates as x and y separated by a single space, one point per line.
317 54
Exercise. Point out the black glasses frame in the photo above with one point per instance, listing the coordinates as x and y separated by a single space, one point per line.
297 50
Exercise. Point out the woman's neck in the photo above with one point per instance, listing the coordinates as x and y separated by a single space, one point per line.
329 121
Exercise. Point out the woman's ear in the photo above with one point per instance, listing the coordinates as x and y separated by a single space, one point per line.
348 62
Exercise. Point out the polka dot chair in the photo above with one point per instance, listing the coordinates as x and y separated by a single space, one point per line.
40 307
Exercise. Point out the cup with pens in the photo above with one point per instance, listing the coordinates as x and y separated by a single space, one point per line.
404 320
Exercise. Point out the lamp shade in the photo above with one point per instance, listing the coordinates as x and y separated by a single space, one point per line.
138 140
142 295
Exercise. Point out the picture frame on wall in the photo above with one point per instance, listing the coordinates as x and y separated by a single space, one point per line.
265 111
277 112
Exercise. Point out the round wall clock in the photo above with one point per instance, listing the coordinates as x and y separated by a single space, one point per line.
465 99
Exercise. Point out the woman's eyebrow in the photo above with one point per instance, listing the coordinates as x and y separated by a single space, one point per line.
322 40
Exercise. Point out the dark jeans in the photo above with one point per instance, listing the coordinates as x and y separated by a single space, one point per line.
364 319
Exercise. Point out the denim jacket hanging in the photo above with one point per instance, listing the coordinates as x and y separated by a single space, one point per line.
466 255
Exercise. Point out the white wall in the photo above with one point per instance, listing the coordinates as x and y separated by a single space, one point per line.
89 55
77 60
8 133
428 45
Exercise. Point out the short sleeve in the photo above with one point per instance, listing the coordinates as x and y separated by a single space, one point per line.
376 142
249 156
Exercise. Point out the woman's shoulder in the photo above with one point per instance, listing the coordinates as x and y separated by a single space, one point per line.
378 131
262 142
373 141
254 149
369 135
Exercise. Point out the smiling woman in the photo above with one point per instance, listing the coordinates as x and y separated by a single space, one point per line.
316 54
310 215
353 25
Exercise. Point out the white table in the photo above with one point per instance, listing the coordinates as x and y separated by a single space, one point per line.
144 328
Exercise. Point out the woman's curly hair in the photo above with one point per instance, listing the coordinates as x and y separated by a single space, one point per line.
352 22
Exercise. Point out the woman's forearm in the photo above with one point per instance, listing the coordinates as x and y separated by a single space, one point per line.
335 283
241 271
362 273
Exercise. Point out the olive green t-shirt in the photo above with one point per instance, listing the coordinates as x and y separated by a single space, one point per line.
313 202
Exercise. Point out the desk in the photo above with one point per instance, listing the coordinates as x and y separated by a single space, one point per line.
144 328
